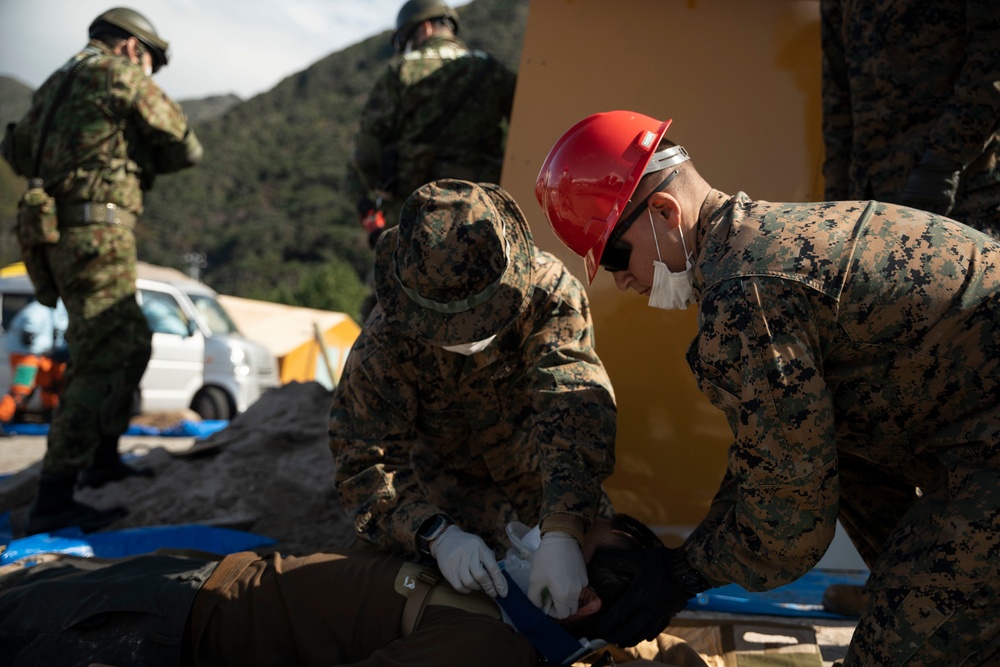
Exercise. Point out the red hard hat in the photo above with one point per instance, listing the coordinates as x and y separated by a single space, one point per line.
589 176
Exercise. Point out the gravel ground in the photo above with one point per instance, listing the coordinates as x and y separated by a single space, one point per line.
269 472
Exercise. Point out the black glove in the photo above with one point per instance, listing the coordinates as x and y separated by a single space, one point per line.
27 338
931 185
662 584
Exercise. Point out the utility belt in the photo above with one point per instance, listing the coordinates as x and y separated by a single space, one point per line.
422 586
94 213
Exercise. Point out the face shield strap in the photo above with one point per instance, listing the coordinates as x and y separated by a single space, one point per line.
461 305
665 159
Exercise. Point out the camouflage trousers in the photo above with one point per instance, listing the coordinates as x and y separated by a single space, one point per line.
109 342
929 627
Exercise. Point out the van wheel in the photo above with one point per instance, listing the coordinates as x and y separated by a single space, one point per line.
212 403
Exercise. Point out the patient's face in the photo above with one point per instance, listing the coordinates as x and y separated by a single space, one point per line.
599 535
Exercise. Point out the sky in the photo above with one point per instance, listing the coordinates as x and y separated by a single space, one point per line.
217 47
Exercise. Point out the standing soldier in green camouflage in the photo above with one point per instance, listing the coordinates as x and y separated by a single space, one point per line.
438 111
853 347
911 105
97 134
474 397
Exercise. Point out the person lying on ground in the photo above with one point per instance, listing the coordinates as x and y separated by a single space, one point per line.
363 607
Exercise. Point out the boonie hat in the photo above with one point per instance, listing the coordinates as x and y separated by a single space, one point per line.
458 267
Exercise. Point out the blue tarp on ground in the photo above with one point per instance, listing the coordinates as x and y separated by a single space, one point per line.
803 597
133 541
800 598
181 429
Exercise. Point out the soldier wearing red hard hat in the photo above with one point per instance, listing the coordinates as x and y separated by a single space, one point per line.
852 346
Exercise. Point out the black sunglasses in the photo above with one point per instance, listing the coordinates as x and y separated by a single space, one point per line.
616 256
618 253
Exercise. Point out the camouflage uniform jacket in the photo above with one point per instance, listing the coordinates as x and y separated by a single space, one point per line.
112 133
902 76
853 347
528 423
411 96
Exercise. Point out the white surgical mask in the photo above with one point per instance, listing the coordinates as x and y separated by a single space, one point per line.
670 291
470 348
148 69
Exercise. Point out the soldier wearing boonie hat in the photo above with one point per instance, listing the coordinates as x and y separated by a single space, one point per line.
473 397
458 268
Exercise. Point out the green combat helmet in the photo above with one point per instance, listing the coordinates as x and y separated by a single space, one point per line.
139 27
415 12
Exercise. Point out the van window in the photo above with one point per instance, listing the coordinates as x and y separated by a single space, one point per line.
163 313
215 315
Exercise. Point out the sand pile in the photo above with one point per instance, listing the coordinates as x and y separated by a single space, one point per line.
269 472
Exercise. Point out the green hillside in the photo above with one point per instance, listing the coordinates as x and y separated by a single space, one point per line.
210 108
265 207
15 99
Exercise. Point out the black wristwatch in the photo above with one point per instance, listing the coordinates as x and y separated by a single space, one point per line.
429 531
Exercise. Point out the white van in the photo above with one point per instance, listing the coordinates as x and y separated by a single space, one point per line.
200 360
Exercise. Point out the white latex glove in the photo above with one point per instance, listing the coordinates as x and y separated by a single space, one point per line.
467 563
558 574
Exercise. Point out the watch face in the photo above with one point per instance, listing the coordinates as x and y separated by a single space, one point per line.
433 528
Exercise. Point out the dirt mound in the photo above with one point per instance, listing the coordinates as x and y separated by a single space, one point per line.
269 472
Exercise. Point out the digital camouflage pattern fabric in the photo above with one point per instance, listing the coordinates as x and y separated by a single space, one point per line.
904 76
897 622
853 348
518 432
458 267
109 342
411 96
114 131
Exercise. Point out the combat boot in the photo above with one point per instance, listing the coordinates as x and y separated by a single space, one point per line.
54 508
109 467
